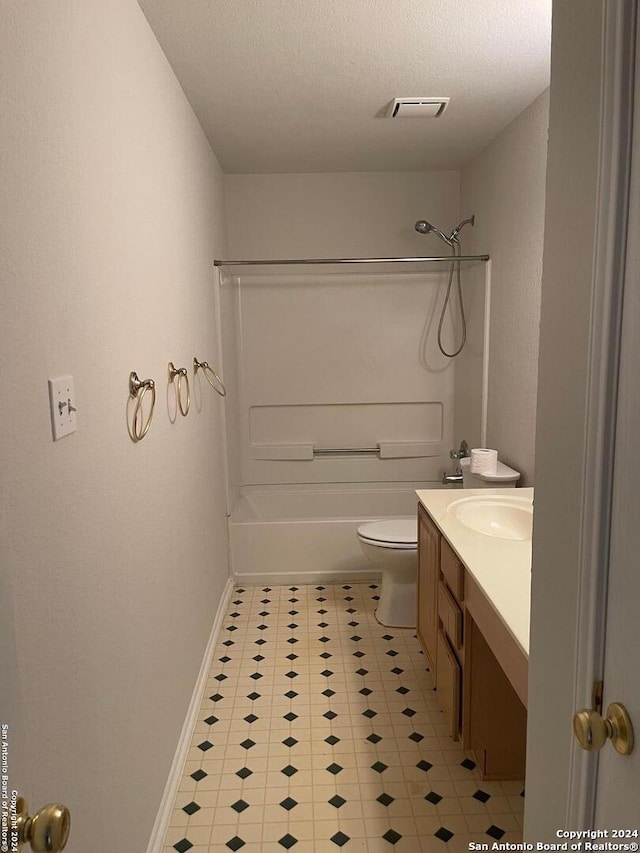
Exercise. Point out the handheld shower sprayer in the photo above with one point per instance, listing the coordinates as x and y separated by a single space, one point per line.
424 227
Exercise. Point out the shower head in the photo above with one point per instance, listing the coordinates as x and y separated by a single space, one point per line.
424 227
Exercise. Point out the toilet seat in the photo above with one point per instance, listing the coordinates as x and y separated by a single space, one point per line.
400 534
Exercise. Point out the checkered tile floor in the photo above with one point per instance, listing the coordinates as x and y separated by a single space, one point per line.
319 731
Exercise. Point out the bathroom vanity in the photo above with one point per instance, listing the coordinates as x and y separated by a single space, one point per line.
473 618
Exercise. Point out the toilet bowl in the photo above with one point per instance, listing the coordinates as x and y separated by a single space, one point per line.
392 546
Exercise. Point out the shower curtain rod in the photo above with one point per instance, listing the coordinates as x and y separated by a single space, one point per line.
439 258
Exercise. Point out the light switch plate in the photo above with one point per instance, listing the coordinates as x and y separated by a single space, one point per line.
63 406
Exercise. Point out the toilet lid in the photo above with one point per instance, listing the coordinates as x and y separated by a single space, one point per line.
402 532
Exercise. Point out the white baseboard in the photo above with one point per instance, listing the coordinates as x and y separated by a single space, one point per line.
156 842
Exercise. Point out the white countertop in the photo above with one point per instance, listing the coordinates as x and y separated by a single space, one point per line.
500 567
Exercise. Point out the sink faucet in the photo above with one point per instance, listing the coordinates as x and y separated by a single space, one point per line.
460 453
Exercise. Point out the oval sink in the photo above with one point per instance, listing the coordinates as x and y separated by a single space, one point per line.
501 517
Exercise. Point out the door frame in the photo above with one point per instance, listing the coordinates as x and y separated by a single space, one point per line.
607 115
612 217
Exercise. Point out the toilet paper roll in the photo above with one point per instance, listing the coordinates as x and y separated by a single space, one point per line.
484 460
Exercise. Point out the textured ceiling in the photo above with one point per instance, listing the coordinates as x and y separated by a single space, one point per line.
302 85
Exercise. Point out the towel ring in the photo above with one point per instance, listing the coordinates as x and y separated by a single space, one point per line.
181 373
206 369
137 390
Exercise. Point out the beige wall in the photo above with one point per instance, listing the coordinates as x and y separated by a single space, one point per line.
338 215
505 188
111 213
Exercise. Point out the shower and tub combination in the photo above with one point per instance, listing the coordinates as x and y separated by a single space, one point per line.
293 534
318 452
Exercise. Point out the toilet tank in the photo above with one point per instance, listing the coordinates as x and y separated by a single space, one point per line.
504 477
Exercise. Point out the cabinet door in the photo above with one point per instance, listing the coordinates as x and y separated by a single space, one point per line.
428 574
449 684
495 720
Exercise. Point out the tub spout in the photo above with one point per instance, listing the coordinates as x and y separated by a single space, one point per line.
451 479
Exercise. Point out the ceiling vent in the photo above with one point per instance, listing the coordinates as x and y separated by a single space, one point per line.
417 107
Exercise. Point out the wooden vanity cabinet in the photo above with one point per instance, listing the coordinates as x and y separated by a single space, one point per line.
481 704
428 574
440 618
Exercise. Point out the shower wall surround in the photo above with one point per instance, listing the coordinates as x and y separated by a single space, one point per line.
336 359
341 361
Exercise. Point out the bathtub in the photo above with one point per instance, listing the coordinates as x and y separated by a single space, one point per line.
303 535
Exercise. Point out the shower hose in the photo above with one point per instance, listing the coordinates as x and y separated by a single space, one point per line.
455 268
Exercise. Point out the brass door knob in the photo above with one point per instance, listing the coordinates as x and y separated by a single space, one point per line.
592 731
47 831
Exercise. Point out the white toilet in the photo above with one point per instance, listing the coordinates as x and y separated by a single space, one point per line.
503 478
392 546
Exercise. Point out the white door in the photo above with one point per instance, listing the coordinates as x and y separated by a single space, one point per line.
17 767
618 782
12 752
585 570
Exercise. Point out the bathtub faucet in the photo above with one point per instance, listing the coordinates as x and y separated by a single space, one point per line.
461 453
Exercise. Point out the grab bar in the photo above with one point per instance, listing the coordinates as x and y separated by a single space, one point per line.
386 450
336 451
383 450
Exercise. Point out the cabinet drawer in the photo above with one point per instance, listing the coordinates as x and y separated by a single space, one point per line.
449 678
452 569
450 615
